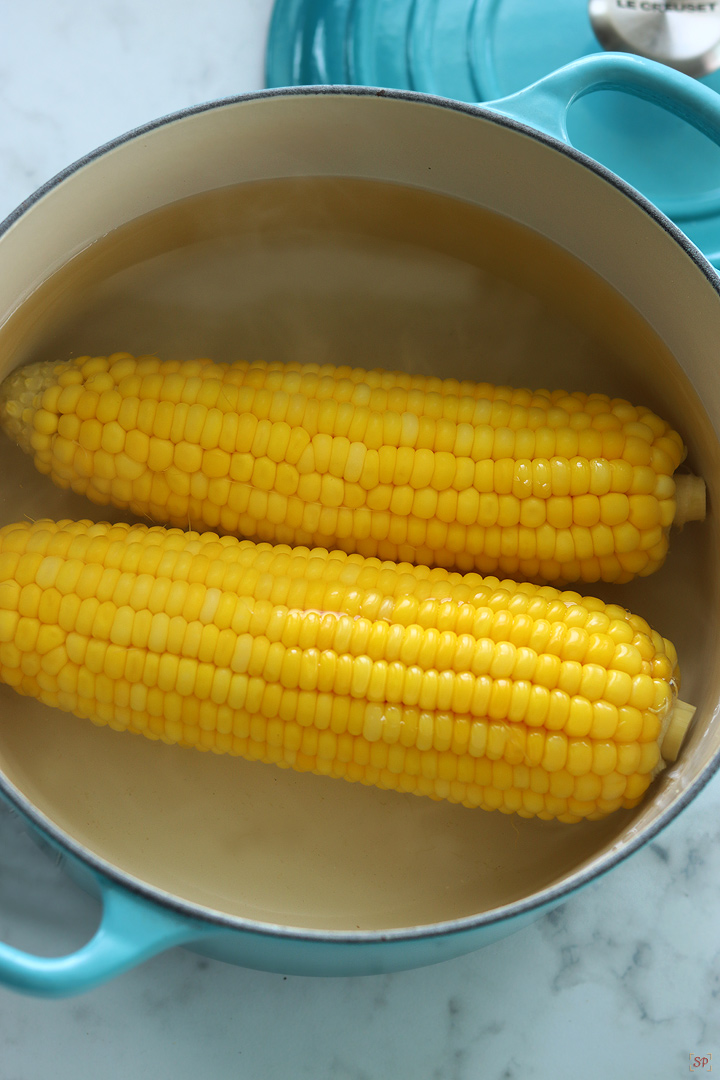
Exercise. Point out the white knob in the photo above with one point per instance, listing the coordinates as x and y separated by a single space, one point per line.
684 34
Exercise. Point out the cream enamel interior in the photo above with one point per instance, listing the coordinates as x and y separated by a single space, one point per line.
613 301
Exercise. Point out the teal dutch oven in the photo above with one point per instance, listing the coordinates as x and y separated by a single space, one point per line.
430 232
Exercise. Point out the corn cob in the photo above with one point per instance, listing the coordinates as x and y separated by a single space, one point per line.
544 486
489 693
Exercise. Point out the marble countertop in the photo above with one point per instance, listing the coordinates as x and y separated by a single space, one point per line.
623 980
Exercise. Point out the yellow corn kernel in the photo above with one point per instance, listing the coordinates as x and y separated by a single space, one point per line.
496 686
487 478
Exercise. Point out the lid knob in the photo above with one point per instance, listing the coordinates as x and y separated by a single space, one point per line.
684 34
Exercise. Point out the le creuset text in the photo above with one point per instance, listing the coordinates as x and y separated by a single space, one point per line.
667 5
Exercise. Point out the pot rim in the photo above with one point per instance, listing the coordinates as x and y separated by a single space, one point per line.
536 902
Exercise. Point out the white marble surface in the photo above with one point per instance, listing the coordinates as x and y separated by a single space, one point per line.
621 981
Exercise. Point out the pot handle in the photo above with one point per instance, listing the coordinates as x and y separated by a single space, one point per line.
545 104
131 931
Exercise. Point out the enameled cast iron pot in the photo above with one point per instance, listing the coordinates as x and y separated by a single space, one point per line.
303 875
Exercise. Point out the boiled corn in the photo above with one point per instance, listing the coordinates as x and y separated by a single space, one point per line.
551 487
489 693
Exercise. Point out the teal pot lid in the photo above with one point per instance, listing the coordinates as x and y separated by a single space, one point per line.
482 50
